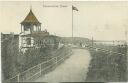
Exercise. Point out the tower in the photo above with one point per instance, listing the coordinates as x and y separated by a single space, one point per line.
29 26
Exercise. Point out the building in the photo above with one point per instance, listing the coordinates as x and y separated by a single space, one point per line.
32 35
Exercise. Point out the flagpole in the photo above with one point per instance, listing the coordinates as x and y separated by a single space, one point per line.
73 8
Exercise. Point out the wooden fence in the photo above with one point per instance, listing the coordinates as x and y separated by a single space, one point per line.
40 69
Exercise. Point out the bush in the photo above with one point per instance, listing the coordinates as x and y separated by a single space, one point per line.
107 66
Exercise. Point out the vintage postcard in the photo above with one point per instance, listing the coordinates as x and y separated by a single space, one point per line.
64 41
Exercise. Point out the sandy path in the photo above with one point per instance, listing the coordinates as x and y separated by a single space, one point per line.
74 69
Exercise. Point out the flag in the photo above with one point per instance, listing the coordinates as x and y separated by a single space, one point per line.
74 8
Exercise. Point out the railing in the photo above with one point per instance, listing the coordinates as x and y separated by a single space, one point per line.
104 50
40 69
112 62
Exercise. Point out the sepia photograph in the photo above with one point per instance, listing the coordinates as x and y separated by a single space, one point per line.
64 41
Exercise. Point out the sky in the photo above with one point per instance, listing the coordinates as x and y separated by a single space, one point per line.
100 20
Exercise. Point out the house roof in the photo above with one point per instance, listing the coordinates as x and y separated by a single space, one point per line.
30 18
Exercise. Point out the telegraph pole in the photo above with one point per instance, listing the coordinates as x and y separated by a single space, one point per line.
92 41
126 46
72 26
126 37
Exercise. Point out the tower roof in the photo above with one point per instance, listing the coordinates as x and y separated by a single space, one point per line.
31 19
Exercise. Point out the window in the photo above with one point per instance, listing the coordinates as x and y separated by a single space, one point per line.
28 41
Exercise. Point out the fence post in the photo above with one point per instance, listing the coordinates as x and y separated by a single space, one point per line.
18 78
40 69
56 60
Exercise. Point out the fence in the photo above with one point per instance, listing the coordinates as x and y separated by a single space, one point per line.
104 50
40 69
107 64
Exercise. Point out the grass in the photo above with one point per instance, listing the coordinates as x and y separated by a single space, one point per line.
108 67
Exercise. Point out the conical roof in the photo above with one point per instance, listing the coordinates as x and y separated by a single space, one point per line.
30 18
